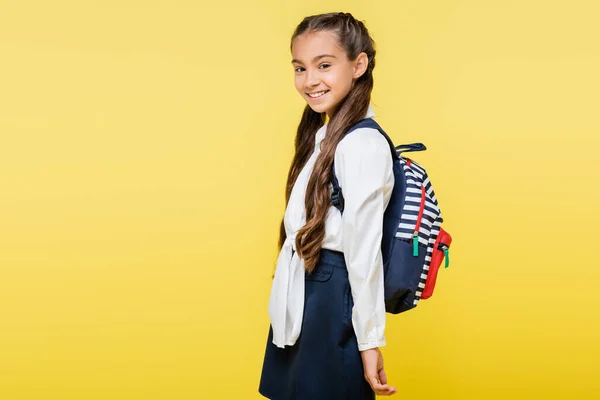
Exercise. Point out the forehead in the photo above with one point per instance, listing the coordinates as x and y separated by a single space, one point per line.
309 45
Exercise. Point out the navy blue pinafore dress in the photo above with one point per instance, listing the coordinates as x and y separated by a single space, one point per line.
324 363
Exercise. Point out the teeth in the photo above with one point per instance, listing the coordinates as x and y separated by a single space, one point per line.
319 94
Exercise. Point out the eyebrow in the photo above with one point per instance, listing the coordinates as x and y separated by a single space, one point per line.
314 59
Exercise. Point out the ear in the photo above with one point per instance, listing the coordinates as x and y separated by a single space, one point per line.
360 65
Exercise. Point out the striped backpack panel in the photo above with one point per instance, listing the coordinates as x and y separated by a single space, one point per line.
414 242
420 223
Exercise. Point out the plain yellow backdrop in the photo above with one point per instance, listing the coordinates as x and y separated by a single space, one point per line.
144 147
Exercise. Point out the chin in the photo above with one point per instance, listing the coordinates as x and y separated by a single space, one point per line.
320 108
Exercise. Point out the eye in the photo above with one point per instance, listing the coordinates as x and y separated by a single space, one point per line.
325 64
296 69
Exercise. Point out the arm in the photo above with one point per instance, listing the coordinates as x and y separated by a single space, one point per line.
363 164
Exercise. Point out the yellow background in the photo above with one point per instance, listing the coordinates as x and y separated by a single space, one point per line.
144 147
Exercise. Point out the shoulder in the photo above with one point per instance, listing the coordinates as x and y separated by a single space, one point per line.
364 141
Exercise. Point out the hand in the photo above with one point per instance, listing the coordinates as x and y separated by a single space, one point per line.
374 372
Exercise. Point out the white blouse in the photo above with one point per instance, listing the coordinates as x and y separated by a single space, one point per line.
363 166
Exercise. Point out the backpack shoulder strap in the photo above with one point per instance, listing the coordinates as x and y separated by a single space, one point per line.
371 123
337 198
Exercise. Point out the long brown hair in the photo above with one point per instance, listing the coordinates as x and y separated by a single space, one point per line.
353 37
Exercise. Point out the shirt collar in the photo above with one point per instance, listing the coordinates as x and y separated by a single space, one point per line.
323 130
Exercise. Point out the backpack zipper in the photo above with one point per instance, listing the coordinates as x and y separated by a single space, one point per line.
418 226
447 260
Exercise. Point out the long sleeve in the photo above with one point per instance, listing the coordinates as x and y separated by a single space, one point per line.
363 164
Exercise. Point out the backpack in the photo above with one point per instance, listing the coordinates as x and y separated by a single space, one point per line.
413 242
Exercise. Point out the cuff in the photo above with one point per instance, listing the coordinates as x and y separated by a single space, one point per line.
371 344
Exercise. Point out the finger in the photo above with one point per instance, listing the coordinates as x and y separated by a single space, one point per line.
383 380
391 392
382 376
379 388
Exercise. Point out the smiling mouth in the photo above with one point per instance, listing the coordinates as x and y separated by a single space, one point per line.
316 95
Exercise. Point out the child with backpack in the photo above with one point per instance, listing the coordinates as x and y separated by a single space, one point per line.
361 232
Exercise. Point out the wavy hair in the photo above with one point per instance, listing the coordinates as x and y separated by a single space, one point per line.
353 37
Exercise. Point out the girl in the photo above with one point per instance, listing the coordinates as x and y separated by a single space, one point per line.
327 307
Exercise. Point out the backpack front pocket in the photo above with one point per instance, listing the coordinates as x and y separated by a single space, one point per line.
440 252
402 275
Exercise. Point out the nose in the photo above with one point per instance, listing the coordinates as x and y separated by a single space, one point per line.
312 79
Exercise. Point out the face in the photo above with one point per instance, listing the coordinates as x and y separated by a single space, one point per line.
322 69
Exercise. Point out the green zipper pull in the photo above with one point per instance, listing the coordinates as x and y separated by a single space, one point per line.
416 245
447 258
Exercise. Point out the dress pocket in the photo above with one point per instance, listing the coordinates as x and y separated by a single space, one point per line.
348 304
440 251
322 273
